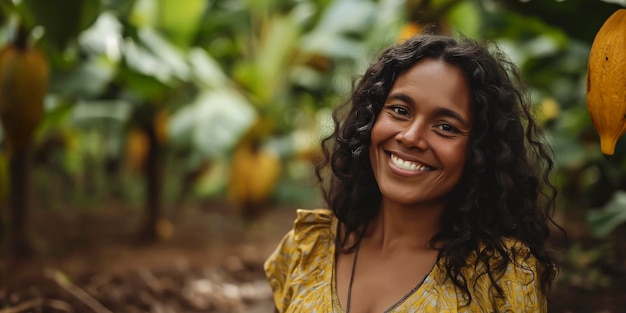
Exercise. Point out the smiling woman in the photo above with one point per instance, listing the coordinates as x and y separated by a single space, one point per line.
439 198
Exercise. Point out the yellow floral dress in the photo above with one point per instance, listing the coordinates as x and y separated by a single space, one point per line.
301 273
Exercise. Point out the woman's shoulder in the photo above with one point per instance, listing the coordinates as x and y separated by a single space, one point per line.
303 258
507 248
514 265
516 255
312 223
519 253
523 267
312 228
518 279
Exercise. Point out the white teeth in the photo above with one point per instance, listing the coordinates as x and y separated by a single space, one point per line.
406 165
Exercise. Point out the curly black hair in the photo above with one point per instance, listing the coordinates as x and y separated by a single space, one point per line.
505 190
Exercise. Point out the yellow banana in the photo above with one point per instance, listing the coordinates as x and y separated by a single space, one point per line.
24 78
254 172
137 147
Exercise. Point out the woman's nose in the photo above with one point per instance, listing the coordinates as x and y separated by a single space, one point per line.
414 136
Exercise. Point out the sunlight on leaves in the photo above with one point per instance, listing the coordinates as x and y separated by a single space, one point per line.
168 55
206 70
104 37
622 2
214 122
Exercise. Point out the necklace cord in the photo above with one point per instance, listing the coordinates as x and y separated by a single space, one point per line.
356 255
393 306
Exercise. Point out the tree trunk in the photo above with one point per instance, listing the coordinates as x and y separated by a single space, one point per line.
19 244
153 180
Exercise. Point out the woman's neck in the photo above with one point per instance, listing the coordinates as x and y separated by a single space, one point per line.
399 227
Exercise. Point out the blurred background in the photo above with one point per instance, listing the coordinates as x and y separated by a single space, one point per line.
156 150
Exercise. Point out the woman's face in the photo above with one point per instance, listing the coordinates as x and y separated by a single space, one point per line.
419 140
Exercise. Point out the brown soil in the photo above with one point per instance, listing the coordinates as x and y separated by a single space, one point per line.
91 262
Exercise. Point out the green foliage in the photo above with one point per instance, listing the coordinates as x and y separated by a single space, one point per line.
466 17
61 23
179 20
218 69
582 268
603 221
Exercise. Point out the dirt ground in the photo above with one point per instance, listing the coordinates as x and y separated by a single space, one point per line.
212 262
90 262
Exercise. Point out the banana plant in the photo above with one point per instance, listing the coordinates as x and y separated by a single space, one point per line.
128 76
24 78
154 75
24 83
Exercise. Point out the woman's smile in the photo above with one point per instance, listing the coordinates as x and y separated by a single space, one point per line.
410 166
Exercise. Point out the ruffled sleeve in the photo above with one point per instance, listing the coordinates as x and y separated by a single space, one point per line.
290 268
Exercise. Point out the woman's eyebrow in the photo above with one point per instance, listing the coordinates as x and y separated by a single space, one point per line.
401 97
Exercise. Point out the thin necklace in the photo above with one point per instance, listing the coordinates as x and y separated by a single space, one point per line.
393 306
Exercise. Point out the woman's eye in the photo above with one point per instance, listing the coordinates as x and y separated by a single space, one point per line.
400 110
447 128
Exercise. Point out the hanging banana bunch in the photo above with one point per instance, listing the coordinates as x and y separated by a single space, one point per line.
606 81
254 173
23 85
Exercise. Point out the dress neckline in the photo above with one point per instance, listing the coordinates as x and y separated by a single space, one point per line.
336 305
